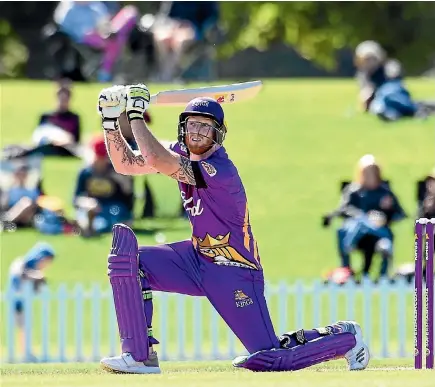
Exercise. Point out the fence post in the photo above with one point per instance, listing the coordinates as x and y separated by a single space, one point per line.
78 298
28 316
181 318
113 330
385 329
367 309
317 290
96 321
62 298
163 308
45 320
282 307
197 328
401 313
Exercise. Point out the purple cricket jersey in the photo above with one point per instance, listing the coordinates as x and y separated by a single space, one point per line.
221 230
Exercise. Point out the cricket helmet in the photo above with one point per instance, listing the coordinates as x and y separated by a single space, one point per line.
205 107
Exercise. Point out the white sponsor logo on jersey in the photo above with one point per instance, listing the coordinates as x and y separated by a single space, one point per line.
192 208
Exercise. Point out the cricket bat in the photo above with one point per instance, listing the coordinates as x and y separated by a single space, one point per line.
236 92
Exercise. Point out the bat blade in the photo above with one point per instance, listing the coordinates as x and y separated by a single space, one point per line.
236 92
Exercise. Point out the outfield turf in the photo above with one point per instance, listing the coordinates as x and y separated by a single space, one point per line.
214 374
292 145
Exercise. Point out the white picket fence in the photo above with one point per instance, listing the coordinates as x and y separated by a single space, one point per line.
78 324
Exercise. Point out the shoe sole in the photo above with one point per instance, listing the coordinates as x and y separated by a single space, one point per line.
152 370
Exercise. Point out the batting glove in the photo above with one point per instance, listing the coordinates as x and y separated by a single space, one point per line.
138 100
111 104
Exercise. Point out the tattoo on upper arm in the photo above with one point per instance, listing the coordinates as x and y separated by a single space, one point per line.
185 172
128 156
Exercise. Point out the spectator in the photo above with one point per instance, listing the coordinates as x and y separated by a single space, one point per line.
18 202
180 25
427 206
91 23
102 196
370 207
60 127
28 270
381 81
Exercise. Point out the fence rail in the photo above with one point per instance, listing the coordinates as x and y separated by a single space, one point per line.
79 324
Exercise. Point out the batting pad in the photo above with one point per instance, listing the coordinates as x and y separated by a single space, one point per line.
302 356
123 271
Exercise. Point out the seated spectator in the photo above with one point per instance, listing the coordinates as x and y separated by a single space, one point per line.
28 270
369 208
59 128
427 206
57 133
91 23
381 82
19 200
102 196
179 25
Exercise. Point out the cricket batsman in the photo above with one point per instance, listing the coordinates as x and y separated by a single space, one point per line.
221 261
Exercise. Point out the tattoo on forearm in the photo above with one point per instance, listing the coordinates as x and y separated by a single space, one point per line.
185 172
128 156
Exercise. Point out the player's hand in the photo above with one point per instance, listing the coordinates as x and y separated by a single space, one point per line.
138 100
111 104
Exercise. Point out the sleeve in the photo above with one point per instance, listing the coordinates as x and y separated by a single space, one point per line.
212 174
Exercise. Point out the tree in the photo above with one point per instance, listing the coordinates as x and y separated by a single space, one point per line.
318 29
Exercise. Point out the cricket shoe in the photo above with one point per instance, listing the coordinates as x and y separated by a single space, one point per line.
125 364
359 356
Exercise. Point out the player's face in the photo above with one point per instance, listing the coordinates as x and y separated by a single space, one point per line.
200 133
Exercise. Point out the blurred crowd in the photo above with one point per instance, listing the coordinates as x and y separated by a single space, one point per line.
101 196
92 39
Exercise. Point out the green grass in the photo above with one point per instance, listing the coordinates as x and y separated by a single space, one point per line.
292 146
214 374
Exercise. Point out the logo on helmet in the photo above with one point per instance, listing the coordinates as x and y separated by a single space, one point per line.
200 103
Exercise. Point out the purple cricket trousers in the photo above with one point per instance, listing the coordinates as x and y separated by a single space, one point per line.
237 294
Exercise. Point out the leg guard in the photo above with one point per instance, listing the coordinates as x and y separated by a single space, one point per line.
302 356
123 270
